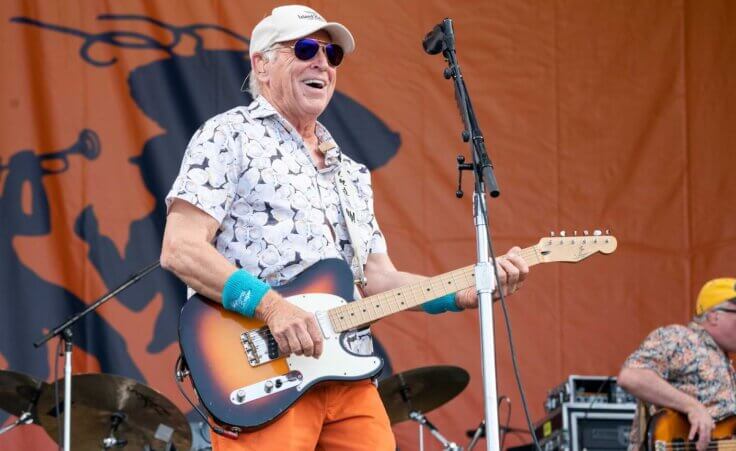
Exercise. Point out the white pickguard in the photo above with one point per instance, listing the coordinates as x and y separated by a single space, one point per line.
335 362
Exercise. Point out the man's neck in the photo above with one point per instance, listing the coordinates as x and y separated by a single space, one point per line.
304 126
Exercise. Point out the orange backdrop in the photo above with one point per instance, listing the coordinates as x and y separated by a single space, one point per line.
607 114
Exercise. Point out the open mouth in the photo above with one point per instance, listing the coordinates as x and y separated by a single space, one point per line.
314 83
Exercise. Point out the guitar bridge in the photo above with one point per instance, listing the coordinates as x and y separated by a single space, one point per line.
259 345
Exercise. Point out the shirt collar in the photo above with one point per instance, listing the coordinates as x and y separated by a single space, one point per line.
261 108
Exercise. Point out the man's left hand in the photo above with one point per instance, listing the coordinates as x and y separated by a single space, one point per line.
512 270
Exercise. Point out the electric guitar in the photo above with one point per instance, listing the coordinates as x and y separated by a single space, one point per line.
235 363
669 430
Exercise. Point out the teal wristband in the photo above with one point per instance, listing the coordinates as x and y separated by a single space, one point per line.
243 292
442 304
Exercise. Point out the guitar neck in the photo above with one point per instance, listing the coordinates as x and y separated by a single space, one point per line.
367 310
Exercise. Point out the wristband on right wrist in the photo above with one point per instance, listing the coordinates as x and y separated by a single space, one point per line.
243 293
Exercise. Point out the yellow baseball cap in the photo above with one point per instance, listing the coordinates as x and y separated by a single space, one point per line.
715 292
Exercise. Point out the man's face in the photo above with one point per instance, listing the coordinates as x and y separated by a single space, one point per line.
300 90
723 325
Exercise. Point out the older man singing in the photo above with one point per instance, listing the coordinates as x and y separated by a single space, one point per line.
257 202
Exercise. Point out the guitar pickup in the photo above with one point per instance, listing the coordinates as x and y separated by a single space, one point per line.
260 346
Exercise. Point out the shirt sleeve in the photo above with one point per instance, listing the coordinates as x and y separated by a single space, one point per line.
209 172
664 351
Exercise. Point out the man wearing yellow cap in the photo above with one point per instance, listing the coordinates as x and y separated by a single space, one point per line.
687 368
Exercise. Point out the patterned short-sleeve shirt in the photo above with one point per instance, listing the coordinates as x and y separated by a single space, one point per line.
692 362
251 171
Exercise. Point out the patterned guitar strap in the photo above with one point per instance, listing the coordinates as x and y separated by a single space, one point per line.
347 191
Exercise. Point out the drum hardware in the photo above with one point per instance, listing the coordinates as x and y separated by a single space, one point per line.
64 332
424 422
480 432
133 415
411 394
19 394
111 441
476 434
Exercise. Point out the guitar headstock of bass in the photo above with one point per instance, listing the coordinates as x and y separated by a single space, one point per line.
565 248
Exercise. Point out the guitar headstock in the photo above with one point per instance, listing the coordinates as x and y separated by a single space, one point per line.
563 248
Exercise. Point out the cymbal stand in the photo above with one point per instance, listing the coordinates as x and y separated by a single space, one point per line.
423 421
64 331
25 418
479 432
111 441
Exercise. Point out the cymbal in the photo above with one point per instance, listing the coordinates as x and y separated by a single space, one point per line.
18 391
421 389
146 416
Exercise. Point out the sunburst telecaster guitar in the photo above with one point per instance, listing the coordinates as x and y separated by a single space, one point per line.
668 430
235 363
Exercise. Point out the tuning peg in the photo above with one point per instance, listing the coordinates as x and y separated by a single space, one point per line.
575 233
597 232
563 233
551 233
585 232
608 232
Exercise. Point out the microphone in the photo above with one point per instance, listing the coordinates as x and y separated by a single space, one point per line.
434 42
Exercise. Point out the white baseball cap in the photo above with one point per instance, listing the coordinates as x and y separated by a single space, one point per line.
293 22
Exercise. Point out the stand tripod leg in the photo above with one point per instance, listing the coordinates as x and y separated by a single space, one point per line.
25 418
67 389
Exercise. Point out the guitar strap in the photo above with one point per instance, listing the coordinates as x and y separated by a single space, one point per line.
348 193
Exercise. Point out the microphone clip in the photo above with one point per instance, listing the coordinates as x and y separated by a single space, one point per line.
461 166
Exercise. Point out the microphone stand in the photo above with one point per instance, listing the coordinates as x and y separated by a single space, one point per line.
64 331
484 269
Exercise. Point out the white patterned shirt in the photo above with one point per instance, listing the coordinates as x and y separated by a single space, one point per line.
251 171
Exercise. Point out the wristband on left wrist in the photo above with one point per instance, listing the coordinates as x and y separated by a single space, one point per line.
442 304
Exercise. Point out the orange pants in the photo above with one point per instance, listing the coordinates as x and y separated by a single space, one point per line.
330 416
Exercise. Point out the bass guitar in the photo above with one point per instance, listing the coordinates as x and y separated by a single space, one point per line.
234 361
668 430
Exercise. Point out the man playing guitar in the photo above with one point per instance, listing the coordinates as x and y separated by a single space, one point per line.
264 193
687 368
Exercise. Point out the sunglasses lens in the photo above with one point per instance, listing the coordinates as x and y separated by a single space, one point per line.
305 49
334 54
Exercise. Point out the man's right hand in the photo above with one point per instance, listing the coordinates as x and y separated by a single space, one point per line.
701 423
295 330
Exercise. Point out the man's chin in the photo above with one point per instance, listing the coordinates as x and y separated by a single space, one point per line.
315 106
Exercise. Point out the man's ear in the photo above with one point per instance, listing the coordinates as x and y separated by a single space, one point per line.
712 317
259 65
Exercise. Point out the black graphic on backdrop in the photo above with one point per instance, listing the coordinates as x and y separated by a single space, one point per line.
30 303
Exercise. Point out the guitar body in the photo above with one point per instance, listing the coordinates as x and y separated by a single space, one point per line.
669 429
234 363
